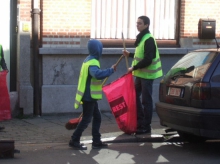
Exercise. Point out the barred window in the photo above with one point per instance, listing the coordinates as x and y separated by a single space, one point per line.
112 17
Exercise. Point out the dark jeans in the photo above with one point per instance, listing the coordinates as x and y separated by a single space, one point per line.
144 89
90 111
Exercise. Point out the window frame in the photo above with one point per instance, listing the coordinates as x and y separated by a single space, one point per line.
107 43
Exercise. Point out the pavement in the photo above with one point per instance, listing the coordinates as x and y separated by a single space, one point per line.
51 129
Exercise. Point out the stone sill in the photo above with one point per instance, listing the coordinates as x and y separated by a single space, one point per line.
116 51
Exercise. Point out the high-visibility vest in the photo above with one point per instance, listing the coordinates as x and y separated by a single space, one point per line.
154 70
0 56
95 86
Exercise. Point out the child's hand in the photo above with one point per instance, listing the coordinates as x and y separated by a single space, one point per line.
114 67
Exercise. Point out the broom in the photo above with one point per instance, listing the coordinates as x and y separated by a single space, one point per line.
72 123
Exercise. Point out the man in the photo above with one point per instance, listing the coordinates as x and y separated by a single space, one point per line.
88 92
146 67
3 66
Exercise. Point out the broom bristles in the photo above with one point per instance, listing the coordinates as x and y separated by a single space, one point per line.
72 124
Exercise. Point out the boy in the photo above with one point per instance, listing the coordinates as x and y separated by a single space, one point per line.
88 92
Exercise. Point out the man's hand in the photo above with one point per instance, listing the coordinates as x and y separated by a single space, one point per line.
130 69
114 67
126 53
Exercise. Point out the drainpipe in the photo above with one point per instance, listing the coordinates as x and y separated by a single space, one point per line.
36 58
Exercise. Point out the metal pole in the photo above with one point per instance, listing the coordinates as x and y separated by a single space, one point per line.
35 47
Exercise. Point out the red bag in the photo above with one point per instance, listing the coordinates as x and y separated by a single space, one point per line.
5 111
122 100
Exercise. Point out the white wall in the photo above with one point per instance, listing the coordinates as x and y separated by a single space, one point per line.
5 31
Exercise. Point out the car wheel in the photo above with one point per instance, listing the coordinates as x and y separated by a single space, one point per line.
192 138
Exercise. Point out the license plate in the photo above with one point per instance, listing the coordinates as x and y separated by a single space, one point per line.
174 91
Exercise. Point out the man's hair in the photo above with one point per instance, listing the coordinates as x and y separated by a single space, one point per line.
145 19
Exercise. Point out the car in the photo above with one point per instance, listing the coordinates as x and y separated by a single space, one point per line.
189 96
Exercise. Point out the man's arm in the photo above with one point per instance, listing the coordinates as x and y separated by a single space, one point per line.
131 55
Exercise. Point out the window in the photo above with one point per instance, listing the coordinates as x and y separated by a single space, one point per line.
216 76
198 61
112 17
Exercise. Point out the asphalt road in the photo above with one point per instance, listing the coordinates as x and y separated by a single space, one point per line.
44 140
119 153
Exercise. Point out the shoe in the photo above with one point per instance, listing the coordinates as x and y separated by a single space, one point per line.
77 145
99 145
2 127
143 131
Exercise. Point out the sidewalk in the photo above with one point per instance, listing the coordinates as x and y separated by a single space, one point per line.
51 129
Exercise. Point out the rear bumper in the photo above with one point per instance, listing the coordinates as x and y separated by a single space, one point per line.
200 122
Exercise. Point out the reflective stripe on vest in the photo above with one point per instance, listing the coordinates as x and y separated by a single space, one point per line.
77 103
96 89
95 86
96 82
154 70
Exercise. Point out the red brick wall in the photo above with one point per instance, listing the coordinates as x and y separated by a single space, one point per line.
66 19
24 10
65 22
192 11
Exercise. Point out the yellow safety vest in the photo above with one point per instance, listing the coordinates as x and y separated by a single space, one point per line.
152 71
95 86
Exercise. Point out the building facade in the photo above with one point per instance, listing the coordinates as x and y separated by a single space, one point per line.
46 77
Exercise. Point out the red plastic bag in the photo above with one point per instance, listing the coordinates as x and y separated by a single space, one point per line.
5 111
122 100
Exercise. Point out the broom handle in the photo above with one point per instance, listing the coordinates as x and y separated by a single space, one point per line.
126 58
80 115
116 66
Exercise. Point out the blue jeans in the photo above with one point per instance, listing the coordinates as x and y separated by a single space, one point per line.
90 111
144 100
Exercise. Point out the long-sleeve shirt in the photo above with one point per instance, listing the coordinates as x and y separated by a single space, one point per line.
99 74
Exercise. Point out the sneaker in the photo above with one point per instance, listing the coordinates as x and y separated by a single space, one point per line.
77 145
143 131
99 145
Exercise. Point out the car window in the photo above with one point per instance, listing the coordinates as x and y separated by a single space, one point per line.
216 75
198 62
196 59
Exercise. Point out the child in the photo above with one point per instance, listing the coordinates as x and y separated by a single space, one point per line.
88 92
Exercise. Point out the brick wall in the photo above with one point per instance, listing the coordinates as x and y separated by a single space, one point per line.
24 10
191 12
65 22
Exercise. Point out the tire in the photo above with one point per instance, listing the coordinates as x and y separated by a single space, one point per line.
191 137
